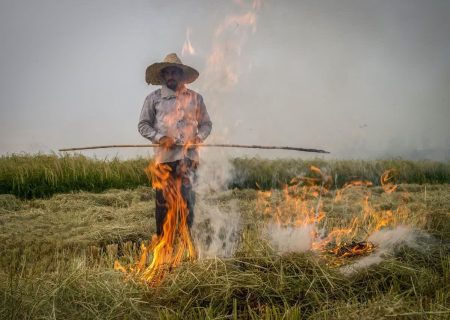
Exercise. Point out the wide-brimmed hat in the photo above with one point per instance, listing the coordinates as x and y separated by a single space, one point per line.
153 73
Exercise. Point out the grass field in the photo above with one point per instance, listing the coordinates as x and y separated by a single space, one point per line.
31 176
59 244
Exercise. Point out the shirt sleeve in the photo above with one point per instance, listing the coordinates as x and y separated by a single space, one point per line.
204 122
147 121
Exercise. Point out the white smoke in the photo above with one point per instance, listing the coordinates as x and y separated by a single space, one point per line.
290 239
217 227
214 172
217 230
386 240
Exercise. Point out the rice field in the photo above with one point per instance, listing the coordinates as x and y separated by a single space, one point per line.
37 176
59 245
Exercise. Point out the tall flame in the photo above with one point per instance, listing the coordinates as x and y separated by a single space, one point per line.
175 243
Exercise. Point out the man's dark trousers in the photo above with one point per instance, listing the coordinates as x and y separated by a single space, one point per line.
187 179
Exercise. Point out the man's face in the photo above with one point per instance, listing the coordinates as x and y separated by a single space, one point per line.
172 77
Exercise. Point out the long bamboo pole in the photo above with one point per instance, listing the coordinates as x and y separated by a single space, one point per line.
220 145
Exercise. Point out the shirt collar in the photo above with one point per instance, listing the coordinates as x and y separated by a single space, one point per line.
168 93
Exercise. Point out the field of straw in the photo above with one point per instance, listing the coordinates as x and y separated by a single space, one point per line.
65 220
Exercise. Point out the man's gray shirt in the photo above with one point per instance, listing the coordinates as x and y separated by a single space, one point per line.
181 115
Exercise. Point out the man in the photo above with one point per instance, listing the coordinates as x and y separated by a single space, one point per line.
175 118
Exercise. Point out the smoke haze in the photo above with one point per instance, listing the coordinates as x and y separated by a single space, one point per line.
290 239
386 240
361 79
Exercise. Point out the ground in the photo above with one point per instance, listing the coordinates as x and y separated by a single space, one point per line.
58 255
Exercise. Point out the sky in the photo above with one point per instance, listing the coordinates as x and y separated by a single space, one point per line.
359 78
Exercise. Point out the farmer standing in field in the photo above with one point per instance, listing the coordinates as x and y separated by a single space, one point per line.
174 117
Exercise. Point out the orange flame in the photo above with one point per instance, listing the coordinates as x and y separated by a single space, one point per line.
176 240
293 205
175 243
301 203
386 179
223 64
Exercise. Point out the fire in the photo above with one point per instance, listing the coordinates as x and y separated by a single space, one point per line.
223 64
187 46
301 204
350 186
175 243
353 249
298 204
222 70
386 183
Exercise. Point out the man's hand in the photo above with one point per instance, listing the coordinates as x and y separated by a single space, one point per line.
166 142
195 140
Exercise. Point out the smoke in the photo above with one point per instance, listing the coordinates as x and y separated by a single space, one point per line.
386 241
300 239
290 239
217 225
224 62
214 172
217 229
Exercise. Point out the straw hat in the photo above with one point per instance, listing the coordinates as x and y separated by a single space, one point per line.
153 72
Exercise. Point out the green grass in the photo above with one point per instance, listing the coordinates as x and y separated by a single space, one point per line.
36 176
58 253
268 174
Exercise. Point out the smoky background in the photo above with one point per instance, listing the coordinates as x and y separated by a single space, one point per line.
362 79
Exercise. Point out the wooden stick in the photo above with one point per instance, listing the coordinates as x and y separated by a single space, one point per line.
221 145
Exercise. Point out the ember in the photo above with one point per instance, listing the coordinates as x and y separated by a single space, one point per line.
353 249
